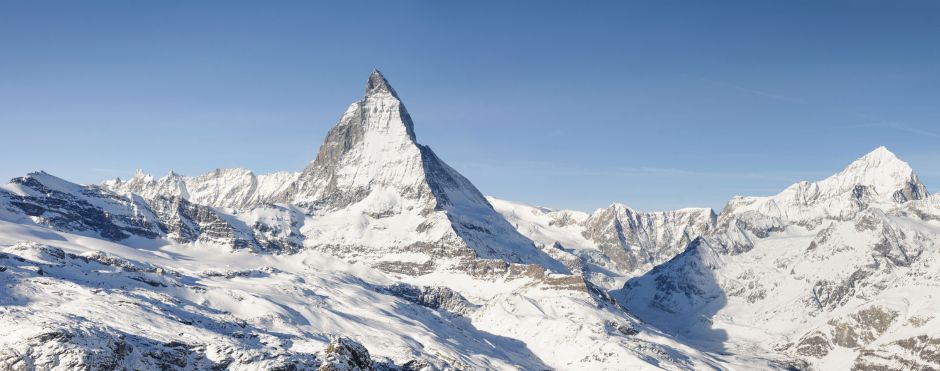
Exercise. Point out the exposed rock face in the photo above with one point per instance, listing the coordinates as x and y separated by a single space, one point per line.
685 284
433 297
43 199
100 349
187 222
47 200
345 354
637 241
814 344
612 244
862 327
916 353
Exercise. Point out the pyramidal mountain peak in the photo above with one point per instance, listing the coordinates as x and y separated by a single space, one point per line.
881 162
373 191
879 153
377 84
371 163
878 177
885 174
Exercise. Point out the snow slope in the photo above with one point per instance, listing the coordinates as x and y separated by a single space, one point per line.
71 301
840 274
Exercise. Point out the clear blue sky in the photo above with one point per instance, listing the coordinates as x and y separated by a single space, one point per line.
655 104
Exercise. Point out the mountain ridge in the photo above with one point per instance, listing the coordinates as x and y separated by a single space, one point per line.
819 269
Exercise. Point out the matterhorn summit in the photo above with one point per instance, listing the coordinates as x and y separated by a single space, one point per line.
373 194
373 147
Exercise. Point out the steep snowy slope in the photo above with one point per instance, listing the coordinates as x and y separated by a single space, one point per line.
841 273
612 244
81 301
70 301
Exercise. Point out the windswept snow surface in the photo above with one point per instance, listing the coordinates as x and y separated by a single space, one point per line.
261 311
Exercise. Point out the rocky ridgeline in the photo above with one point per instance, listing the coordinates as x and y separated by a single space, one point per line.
841 243
96 348
43 199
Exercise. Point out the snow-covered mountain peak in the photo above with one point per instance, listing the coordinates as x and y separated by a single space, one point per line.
811 267
378 85
617 207
140 175
40 181
373 146
878 178
881 153
883 172
375 192
879 174
372 194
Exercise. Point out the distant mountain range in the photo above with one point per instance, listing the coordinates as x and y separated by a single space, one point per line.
380 256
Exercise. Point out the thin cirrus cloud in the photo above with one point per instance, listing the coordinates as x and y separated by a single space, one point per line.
748 90
551 168
875 122
909 129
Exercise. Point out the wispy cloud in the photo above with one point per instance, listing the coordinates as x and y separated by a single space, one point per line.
552 168
891 125
910 129
873 122
749 90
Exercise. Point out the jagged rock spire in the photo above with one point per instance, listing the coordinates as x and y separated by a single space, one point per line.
377 84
